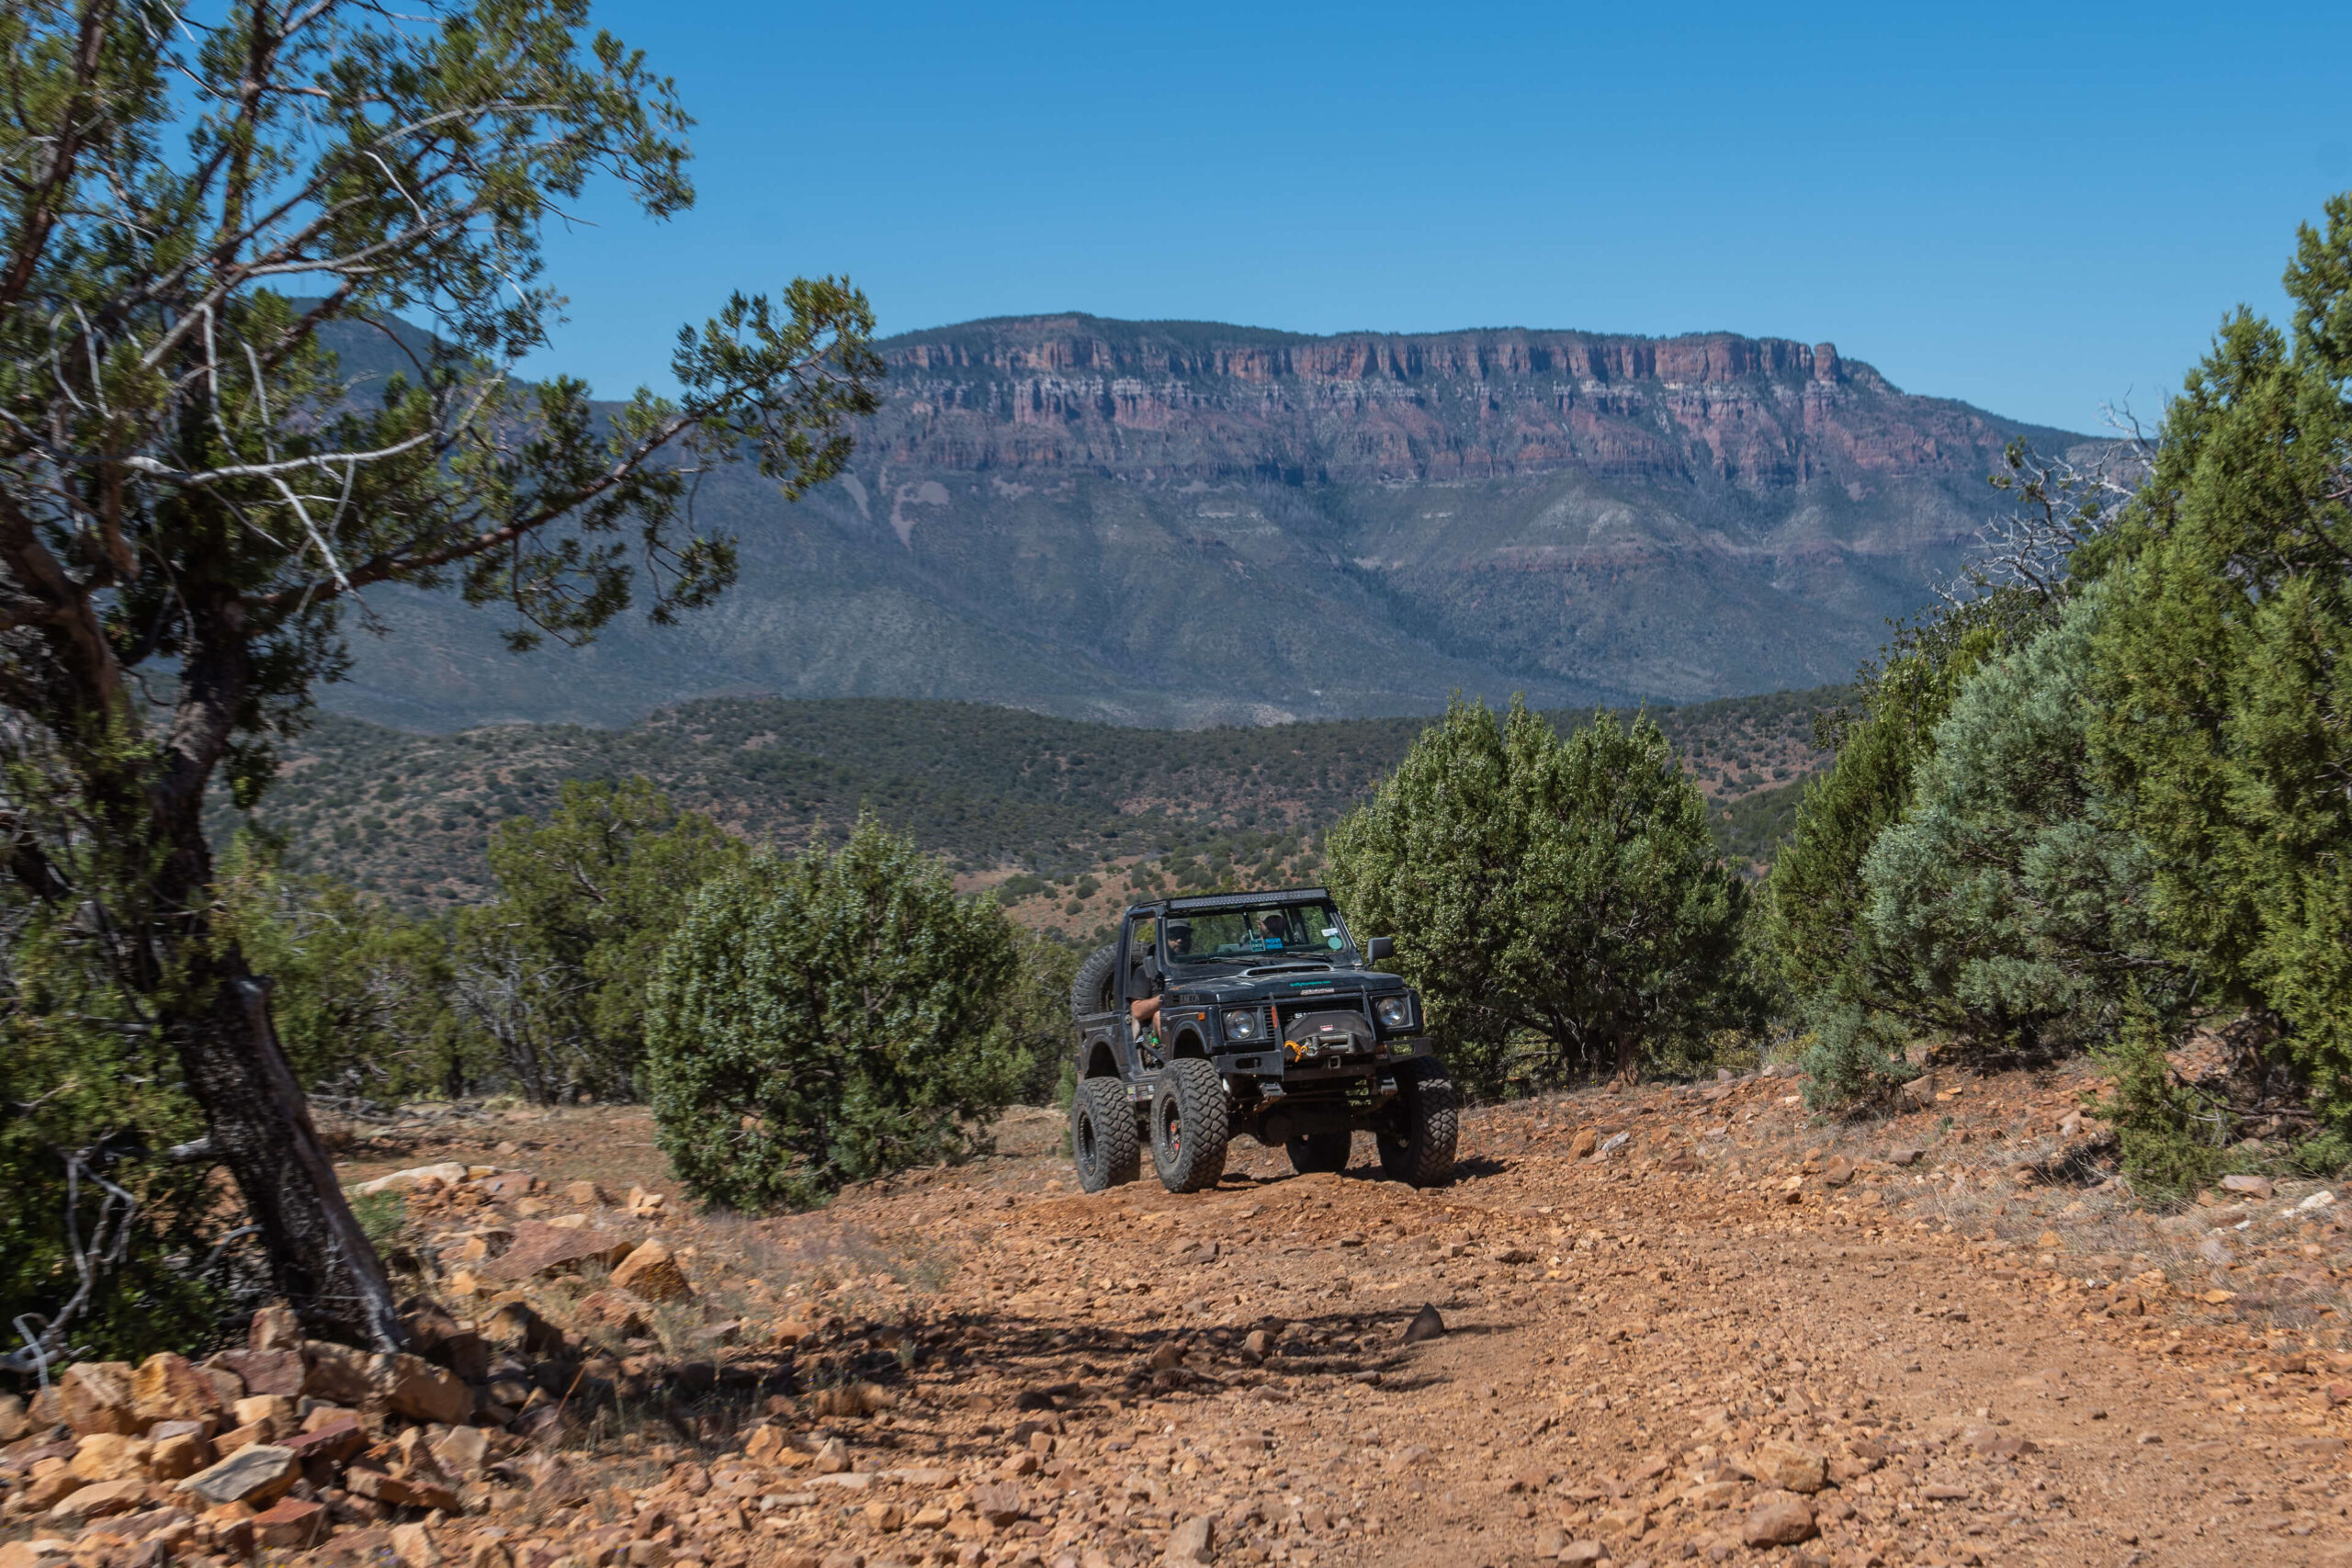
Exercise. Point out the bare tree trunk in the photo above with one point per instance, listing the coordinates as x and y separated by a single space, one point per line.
261 1129
217 1018
1629 1057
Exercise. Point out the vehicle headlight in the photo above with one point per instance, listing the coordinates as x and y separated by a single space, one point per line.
1396 1012
1241 1026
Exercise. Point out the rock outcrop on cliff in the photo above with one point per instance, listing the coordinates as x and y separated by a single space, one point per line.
1187 523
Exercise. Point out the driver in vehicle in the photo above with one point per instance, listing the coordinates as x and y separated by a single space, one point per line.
1276 930
1145 1010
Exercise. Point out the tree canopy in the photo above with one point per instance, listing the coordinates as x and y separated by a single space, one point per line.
557 968
2223 677
1563 887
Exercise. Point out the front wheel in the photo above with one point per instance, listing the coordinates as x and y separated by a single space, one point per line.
1319 1151
1102 1135
1417 1147
1191 1123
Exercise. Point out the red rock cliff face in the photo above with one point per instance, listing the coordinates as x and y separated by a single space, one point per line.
1187 401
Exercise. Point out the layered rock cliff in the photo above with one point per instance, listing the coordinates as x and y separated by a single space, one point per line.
1182 522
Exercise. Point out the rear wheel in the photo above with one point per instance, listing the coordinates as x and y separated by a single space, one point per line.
1090 993
1320 1151
1103 1135
1191 1123
1417 1147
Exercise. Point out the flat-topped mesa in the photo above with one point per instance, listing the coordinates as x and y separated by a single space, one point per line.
1156 401
1073 345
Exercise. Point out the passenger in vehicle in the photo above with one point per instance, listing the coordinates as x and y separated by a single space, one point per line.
1145 1010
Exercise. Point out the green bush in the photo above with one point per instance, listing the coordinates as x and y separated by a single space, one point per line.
821 1020
2010 910
1565 889
1854 1055
1037 1016
1845 992
556 971
2171 1140
91 1099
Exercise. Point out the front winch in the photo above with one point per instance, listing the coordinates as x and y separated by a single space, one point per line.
1318 1036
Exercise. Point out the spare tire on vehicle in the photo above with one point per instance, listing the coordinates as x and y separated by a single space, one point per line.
1092 991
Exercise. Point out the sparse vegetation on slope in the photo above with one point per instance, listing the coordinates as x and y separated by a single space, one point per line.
1037 807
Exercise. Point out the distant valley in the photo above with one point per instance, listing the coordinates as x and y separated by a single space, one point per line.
1179 524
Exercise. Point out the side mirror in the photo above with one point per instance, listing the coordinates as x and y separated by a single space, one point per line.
1378 948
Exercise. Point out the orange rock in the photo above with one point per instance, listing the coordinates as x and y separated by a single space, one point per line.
651 1273
291 1525
108 1456
544 1249
100 1499
413 1544
263 1371
96 1397
237 1438
50 1482
365 1479
414 1387
179 1456
337 1374
334 1440
167 1388
273 1413
275 1328
51 1552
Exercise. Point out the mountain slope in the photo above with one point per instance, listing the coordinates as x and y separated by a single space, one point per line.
999 791
1180 523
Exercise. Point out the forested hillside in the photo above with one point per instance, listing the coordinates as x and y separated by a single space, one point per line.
1007 794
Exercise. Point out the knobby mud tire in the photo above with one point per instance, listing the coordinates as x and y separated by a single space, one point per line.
1320 1151
1092 992
1102 1141
1191 1124
1418 1147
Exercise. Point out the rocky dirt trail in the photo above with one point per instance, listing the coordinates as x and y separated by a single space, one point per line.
1666 1325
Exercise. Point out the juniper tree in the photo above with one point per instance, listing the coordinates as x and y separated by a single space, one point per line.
586 901
826 1018
194 501
2009 906
2223 685
1563 886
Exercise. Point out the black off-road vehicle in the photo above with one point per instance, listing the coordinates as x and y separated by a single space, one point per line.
1271 1023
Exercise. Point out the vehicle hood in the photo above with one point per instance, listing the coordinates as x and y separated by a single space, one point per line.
1237 986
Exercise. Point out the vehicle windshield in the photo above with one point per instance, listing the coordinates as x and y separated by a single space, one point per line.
1307 929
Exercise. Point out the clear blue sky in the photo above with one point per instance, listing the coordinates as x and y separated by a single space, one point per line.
2037 208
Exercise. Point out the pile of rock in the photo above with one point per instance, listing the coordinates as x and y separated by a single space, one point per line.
275 1444
268 1446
